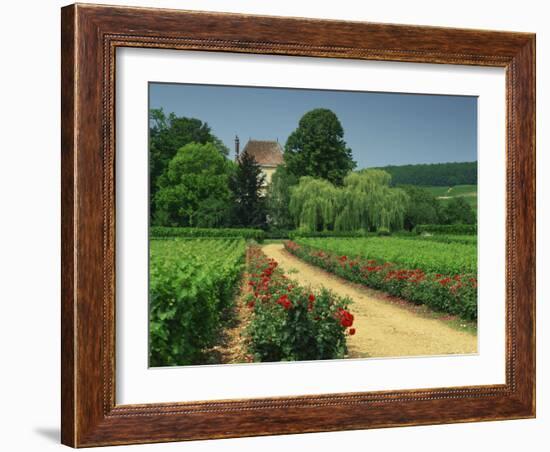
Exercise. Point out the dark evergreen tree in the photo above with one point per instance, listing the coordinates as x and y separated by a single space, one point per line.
247 185
317 148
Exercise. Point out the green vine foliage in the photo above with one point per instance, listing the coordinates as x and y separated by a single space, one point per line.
192 283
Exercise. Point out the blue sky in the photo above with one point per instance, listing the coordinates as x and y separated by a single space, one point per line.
380 128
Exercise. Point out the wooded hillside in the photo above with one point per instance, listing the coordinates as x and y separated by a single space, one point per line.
440 174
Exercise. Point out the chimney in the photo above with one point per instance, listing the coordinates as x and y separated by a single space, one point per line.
236 147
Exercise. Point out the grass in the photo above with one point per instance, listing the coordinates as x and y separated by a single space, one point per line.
468 192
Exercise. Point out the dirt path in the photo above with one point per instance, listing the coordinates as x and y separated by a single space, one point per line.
232 348
383 328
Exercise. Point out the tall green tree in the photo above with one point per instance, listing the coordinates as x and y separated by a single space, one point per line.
317 148
247 183
278 198
167 134
422 208
194 189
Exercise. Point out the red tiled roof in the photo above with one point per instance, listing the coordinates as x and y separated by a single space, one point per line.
266 153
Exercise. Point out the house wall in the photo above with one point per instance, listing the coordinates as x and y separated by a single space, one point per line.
268 171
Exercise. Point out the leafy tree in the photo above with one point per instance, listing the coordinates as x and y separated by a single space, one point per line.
194 189
313 204
422 208
317 148
365 202
458 211
169 133
213 213
278 198
246 184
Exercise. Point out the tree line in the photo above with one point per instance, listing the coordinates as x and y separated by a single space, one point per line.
438 174
193 183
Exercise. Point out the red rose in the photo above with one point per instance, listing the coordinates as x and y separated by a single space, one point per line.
311 298
285 302
345 317
346 321
351 331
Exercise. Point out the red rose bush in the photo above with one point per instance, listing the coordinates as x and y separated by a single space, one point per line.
455 294
290 322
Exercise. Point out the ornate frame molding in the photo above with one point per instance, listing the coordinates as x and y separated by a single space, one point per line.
90 37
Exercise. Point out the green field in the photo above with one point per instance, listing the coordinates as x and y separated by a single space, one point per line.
411 253
468 192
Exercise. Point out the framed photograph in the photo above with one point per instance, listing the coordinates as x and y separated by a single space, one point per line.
281 225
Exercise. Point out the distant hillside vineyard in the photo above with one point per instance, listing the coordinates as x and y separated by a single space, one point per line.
434 174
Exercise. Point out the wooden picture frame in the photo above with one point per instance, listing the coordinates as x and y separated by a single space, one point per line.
90 36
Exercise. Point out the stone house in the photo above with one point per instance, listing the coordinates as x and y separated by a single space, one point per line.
268 154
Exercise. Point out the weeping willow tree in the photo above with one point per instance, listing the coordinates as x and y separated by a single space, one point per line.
365 202
368 202
313 204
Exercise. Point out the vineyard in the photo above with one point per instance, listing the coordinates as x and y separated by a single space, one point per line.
266 251
427 255
192 285
193 291
444 238
439 274
204 281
